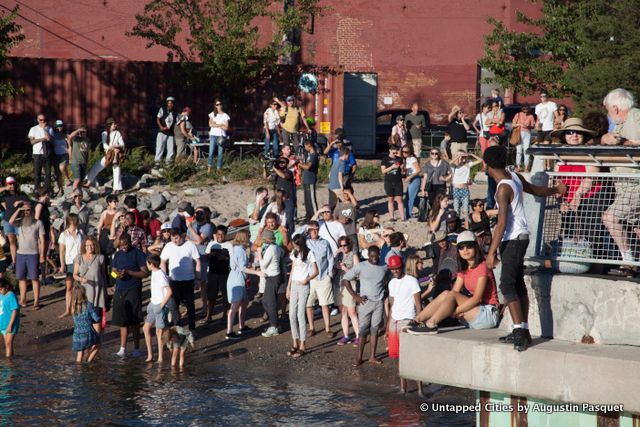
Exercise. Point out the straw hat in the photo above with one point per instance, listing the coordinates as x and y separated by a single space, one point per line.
573 123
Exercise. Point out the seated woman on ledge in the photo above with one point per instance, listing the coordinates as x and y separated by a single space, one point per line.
480 311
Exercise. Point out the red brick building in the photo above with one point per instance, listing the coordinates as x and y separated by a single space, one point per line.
77 63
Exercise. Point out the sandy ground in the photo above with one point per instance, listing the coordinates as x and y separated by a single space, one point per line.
41 332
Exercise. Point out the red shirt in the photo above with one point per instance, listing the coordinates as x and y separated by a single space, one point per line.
471 277
573 182
138 217
153 228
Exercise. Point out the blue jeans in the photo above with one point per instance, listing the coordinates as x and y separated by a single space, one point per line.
410 196
213 141
274 143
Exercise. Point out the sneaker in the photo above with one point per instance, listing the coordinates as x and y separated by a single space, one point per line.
232 336
521 339
334 312
121 353
245 328
508 339
356 342
343 341
423 330
136 353
272 331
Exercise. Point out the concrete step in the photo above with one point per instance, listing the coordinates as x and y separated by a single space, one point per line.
553 370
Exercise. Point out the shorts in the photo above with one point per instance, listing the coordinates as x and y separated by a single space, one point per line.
127 307
60 159
68 268
27 267
320 290
217 284
393 337
393 188
626 205
487 318
158 317
512 284
344 297
8 228
543 135
370 317
78 171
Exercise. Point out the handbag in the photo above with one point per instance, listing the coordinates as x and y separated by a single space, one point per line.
515 138
496 130
423 209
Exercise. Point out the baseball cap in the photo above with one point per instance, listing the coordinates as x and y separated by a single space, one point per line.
399 118
10 180
165 226
394 261
451 216
466 237
171 98
59 123
324 208
290 98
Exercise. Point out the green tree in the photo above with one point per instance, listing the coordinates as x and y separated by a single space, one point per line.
219 40
580 49
10 36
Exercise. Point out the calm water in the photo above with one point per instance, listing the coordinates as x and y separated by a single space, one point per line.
51 391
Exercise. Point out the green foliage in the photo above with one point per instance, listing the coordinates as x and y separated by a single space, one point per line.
138 161
368 173
578 48
219 41
10 36
179 172
19 166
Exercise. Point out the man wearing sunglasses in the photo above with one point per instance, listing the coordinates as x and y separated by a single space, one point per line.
40 137
166 120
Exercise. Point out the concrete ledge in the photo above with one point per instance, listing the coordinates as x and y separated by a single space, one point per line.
551 369
570 307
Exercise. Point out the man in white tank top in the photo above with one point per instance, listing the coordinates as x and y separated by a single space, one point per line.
512 235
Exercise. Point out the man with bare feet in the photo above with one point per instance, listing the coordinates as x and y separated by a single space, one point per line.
370 300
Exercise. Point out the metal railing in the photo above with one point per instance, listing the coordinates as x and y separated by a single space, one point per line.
601 225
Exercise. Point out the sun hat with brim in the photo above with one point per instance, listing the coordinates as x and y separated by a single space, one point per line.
466 237
573 123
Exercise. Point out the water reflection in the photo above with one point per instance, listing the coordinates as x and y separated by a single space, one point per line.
54 392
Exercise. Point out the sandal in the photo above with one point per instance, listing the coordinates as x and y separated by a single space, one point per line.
299 354
36 307
292 351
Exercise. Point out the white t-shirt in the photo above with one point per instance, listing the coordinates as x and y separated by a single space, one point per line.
159 282
181 260
270 261
481 119
38 132
71 245
218 119
331 232
461 175
544 112
300 270
214 244
115 140
402 291
411 165
272 118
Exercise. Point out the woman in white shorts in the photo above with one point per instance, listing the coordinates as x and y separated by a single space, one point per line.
480 311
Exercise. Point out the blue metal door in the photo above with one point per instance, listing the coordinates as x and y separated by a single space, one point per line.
359 121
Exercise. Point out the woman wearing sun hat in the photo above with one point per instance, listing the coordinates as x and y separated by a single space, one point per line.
480 311
581 208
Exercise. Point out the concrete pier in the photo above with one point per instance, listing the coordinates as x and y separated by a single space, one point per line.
552 370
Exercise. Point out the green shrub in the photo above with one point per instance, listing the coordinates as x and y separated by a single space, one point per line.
368 173
179 172
138 161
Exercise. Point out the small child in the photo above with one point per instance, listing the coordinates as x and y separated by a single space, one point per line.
86 341
178 339
9 316
159 306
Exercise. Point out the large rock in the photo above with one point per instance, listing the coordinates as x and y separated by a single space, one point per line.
27 188
192 192
158 202
144 204
579 307
97 208
129 181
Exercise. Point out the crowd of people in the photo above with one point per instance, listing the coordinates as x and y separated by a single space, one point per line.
326 262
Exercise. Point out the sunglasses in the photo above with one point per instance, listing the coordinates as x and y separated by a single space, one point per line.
344 246
462 246
573 132
435 154
395 269
42 120
313 229
166 231
406 151
217 103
